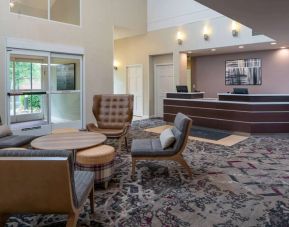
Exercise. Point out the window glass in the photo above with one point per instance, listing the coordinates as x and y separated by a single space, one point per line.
23 75
36 76
33 8
66 11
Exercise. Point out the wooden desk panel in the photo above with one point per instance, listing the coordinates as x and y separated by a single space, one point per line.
232 116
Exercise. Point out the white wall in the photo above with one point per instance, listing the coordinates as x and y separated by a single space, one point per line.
95 36
171 13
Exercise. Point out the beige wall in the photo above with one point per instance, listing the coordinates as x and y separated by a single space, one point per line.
95 36
210 72
130 17
136 50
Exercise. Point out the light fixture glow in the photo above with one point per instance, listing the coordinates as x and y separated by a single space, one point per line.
213 50
115 64
206 33
11 4
180 38
241 47
235 29
190 52
283 47
273 43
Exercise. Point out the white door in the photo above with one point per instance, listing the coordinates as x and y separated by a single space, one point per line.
135 87
164 83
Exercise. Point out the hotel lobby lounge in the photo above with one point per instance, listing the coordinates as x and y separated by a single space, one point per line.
144 113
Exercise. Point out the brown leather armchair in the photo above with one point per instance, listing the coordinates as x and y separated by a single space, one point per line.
113 114
42 182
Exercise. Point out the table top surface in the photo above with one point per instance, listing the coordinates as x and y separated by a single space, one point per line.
68 141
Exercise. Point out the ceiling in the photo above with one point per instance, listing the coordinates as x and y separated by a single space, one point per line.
231 49
268 17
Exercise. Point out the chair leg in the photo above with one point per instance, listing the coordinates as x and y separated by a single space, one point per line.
91 199
120 140
72 219
184 164
3 219
105 185
133 163
125 139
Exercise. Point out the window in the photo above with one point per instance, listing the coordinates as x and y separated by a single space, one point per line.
26 75
66 11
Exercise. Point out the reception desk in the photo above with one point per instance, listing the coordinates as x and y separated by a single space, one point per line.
254 113
185 95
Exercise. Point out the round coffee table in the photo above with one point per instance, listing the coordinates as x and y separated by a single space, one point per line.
69 141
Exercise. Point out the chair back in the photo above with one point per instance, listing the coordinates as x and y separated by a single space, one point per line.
36 182
181 130
113 111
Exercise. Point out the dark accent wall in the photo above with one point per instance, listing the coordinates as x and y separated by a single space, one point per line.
209 72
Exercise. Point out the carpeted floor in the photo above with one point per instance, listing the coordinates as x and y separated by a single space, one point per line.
243 185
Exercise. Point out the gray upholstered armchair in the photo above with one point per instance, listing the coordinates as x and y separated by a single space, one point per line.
113 114
8 140
151 149
42 182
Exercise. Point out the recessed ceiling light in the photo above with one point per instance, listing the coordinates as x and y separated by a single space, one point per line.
241 47
213 50
273 43
283 47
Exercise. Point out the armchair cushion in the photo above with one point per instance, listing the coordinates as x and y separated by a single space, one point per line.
150 147
15 141
109 132
112 111
167 138
5 131
82 181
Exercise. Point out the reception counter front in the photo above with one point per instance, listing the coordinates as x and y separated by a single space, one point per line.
256 113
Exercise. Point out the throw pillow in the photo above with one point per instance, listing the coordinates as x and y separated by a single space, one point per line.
167 138
5 131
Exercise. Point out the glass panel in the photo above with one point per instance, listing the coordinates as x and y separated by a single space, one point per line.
22 105
36 76
65 74
11 73
65 107
22 75
66 11
28 73
12 106
33 8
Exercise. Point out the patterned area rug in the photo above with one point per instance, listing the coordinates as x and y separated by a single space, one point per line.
243 185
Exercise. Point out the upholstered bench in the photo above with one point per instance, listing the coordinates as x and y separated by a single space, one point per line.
99 159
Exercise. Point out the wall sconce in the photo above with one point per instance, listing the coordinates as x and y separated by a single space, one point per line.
180 38
115 64
235 28
11 4
206 33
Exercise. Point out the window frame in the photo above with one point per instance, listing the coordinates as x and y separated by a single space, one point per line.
14 61
49 15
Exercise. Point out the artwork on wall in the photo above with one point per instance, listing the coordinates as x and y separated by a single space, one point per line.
243 72
65 74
